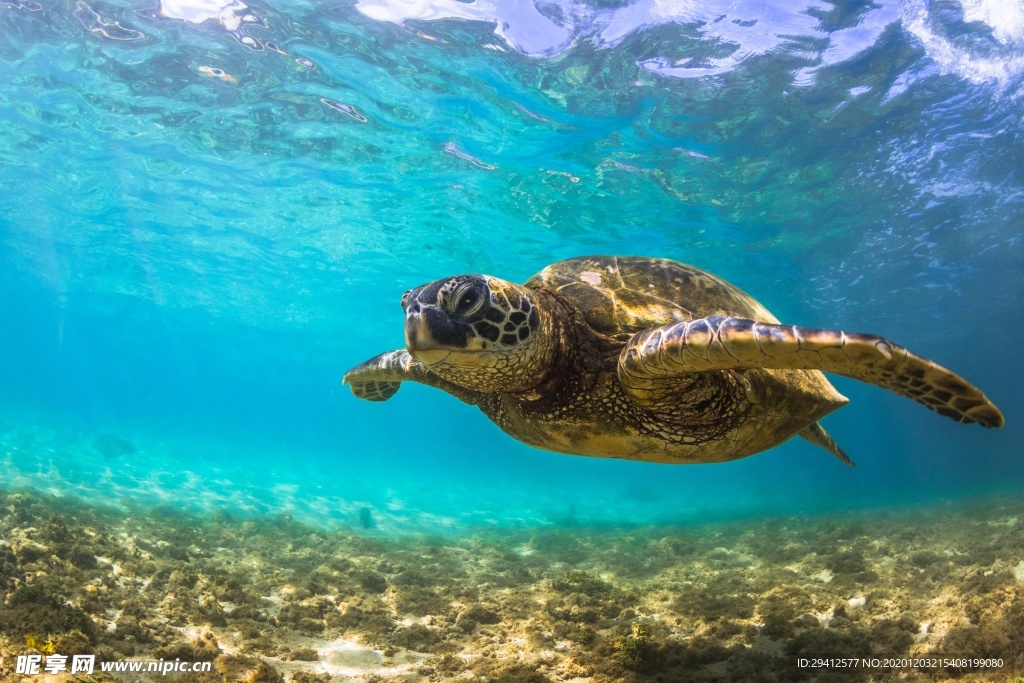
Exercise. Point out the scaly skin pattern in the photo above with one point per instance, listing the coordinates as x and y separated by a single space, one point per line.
724 343
380 378
644 359
600 303
582 408
511 322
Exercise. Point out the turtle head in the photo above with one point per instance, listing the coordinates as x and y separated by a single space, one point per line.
479 332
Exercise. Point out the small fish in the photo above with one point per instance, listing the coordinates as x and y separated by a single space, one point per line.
690 152
346 109
452 149
366 518
532 114
112 446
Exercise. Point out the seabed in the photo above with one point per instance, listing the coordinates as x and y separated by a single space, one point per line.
272 599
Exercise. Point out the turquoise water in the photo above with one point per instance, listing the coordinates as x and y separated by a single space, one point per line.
209 211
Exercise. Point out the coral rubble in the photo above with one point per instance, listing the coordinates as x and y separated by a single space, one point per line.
270 599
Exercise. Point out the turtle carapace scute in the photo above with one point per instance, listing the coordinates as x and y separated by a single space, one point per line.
644 359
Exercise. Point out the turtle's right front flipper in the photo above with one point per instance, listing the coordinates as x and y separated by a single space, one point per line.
379 378
720 343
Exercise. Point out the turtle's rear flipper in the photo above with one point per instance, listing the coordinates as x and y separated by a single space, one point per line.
720 343
817 435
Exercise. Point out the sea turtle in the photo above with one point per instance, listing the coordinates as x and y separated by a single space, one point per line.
644 359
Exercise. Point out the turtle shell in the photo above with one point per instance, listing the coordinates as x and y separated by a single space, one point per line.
623 295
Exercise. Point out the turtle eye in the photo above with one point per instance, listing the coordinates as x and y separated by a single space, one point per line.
405 298
467 300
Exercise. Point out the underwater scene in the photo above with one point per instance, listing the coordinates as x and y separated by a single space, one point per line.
680 340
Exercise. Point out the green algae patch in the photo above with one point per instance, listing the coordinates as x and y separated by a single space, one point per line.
271 599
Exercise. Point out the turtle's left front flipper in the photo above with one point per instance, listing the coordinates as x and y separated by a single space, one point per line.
720 343
379 378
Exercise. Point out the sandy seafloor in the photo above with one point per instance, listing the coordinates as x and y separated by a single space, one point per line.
272 599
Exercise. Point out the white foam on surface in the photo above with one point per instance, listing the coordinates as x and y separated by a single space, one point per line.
550 28
232 15
1005 20
1004 17
199 11
745 30
518 22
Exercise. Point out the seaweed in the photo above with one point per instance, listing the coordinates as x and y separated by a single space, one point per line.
309 677
418 638
420 602
372 582
706 603
302 654
41 609
634 651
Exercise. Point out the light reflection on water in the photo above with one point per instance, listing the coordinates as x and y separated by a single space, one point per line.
209 210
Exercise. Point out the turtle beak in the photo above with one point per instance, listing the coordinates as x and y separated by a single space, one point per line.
419 340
